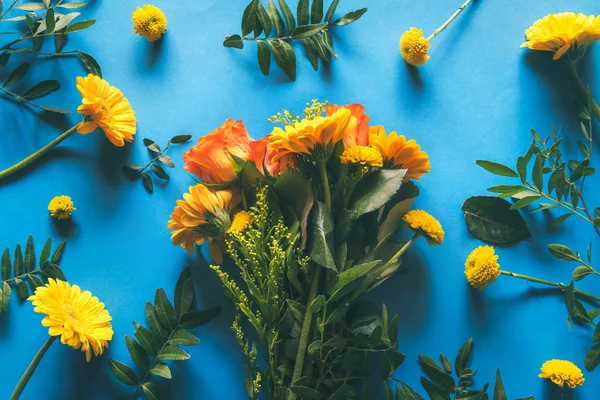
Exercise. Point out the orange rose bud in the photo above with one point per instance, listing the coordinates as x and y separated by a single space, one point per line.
361 136
262 154
210 159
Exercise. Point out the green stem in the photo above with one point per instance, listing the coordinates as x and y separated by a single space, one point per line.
35 271
322 165
560 203
560 286
581 89
31 368
17 167
445 25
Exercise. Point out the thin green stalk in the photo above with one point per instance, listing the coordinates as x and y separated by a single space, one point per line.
561 203
31 368
35 271
445 25
322 165
560 286
29 160
580 88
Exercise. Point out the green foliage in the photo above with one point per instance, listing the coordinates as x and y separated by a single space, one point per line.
168 329
43 20
159 159
22 269
278 32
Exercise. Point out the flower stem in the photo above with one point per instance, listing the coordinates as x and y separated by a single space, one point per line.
445 25
561 286
581 89
31 368
325 182
17 167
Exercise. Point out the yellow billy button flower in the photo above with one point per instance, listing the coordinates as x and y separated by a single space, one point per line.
61 207
149 22
425 224
562 32
241 221
482 268
414 47
561 372
104 106
362 155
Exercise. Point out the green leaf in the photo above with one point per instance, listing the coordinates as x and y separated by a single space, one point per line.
264 57
304 392
18 261
4 296
184 292
147 182
560 220
234 41
166 161
137 353
16 76
436 374
4 57
150 391
183 338
276 19
525 201
522 168
296 309
162 370
79 26
123 373
316 13
64 20
317 304
538 172
446 364
34 282
337 314
46 252
391 361
249 18
491 219
194 319
463 357
376 190
592 357
90 64
287 14
264 19
6 264
433 390
50 23
331 10
306 31
165 310
499 392
295 190
311 53
581 272
21 288
57 256
155 326
350 17
497 169
284 57
41 89
562 252
302 12
320 237
173 353
351 275
180 139
146 339
159 172
52 271
30 7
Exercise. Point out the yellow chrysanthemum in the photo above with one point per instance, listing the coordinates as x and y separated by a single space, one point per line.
203 214
561 372
315 137
241 221
424 223
149 22
482 268
414 46
105 107
400 153
61 207
362 155
560 32
79 318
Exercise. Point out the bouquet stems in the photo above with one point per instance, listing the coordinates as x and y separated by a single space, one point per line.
31 368
581 89
29 160
561 286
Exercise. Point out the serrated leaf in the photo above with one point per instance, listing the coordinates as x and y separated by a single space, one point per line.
165 310
490 219
350 17
264 57
162 370
16 76
183 338
194 319
90 64
173 353
234 41
284 57
123 372
137 353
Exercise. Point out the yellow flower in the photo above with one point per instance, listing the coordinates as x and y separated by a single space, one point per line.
414 46
561 372
77 317
400 153
362 155
203 214
241 221
315 137
482 268
105 107
424 223
61 207
560 32
149 22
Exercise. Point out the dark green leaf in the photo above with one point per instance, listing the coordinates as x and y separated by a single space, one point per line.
45 252
320 236
194 319
538 174
18 261
184 292
295 190
560 220
123 373
50 270
249 18
302 12
497 169
264 57
317 303
234 41
316 13
525 201
304 392
165 310
79 26
446 364
4 57
6 264
287 14
54 109
337 314
137 353
331 10
592 357
463 357
311 53
499 392
296 309
150 391
56 257
275 18
351 275
90 64
158 330
350 17
50 23
162 370
173 353
183 338
562 252
34 282
433 390
581 272
5 291
167 161
147 181
285 57
264 19
21 288
180 139
376 190
16 76
159 171
491 219
436 374
146 339
522 168
306 31
41 89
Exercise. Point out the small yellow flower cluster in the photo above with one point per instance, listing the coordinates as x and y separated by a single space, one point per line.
312 110
482 268
316 109
241 221
230 284
149 22
362 155
61 207
425 224
257 382
414 47
561 372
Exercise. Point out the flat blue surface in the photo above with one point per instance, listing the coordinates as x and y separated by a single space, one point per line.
477 97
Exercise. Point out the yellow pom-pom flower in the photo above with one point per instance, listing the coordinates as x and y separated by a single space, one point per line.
482 268
562 32
149 22
561 372
425 224
241 221
104 106
61 207
414 47
79 318
362 155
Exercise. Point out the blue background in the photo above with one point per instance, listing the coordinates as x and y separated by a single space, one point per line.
477 98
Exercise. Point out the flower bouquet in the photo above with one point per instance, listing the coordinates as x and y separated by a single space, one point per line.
307 215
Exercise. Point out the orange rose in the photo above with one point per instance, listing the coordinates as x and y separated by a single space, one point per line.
259 151
361 136
210 159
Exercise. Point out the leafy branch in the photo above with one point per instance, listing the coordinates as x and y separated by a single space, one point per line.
159 157
23 269
312 29
169 327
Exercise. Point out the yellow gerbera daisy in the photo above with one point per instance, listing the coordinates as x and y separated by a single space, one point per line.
77 317
105 107
203 214
561 372
482 268
149 22
424 223
241 221
414 47
362 155
61 207
560 32
315 137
